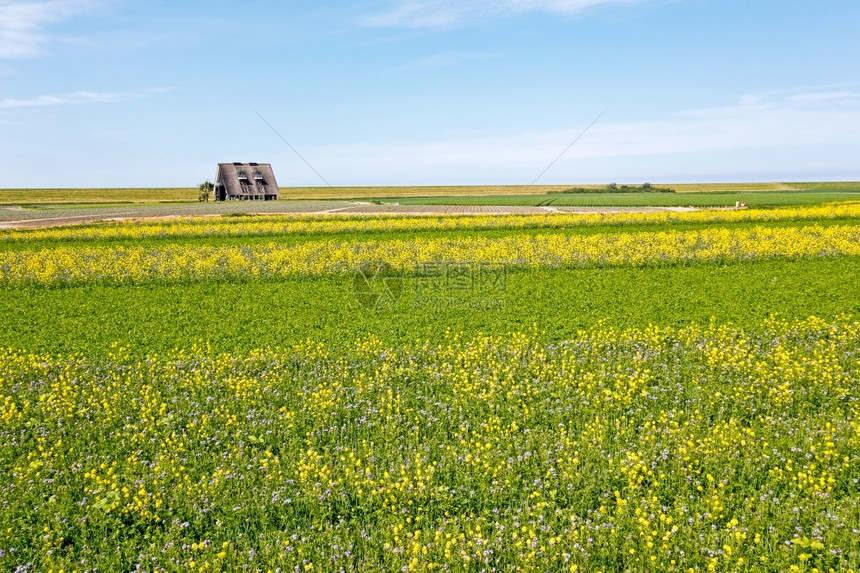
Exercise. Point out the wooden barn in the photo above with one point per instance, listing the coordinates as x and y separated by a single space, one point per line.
246 182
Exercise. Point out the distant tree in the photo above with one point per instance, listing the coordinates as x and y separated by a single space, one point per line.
646 186
612 186
205 191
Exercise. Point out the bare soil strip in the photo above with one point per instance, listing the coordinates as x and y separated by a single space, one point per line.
15 218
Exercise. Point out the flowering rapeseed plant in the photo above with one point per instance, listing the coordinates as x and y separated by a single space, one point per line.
670 449
339 224
81 264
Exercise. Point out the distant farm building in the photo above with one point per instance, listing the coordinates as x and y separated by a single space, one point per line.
246 182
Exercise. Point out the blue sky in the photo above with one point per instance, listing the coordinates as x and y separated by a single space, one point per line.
109 93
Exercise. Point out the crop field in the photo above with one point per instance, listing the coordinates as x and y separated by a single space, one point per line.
94 196
67 197
60 214
697 199
608 392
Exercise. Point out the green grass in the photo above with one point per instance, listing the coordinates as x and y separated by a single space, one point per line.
240 317
753 199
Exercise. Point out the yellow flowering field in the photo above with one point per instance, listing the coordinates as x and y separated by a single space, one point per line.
703 448
673 443
331 224
80 264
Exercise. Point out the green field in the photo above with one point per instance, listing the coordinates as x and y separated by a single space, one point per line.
237 317
607 392
825 186
64 197
94 196
693 199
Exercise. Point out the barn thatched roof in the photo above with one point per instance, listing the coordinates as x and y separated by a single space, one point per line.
231 176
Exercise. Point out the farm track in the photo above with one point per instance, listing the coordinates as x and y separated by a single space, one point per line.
18 218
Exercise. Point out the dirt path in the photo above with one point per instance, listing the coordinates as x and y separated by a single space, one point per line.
17 218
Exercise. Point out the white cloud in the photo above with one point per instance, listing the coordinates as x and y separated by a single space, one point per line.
832 97
434 14
559 6
797 133
23 24
808 92
76 98
446 13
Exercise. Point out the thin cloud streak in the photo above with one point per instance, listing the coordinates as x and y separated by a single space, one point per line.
761 135
449 13
775 95
22 24
76 98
